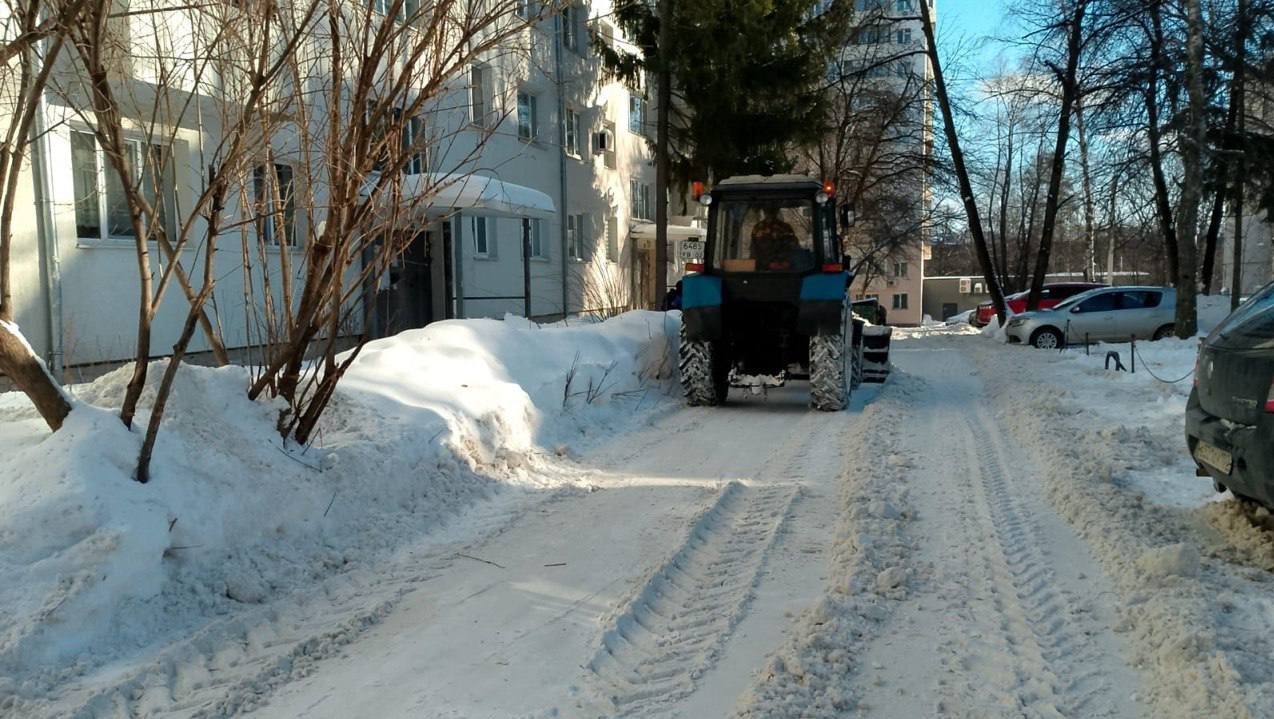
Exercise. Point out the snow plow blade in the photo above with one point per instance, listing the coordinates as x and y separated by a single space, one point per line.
876 353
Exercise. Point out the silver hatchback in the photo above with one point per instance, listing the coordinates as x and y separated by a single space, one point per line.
1106 314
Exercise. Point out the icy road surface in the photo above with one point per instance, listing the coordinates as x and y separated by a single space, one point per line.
973 539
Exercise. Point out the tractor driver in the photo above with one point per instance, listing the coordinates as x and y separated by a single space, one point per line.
773 241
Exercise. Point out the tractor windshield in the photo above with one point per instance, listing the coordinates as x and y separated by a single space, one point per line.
757 235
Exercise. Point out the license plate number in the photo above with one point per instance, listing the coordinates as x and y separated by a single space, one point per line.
691 250
1214 457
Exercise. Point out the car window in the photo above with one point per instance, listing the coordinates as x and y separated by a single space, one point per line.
1047 293
1099 303
1252 324
1072 301
1140 300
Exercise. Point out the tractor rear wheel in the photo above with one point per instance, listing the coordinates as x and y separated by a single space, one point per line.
704 372
829 389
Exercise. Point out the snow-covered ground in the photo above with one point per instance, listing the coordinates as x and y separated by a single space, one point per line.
996 532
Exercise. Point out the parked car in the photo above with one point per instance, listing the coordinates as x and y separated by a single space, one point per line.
1050 296
1230 413
1105 314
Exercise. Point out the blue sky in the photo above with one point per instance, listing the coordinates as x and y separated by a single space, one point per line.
964 29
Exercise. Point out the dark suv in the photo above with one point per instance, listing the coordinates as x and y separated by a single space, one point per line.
1230 415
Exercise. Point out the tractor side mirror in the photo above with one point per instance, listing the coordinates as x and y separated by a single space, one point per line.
847 262
846 216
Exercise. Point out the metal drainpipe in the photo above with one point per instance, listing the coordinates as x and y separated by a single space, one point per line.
47 227
561 155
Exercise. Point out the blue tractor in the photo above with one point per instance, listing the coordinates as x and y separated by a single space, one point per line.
766 300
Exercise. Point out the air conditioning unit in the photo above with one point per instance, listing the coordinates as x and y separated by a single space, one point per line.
603 141
966 285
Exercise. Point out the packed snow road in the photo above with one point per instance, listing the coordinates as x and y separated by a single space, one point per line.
974 539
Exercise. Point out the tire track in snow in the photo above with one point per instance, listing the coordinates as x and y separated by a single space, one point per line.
659 646
655 650
1044 627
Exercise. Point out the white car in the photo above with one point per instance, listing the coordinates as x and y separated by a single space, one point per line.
1106 314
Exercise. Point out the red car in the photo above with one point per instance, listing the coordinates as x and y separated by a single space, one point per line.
1050 295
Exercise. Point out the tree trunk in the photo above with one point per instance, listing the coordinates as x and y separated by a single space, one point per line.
1192 150
1163 205
1074 37
1003 269
1090 232
962 172
661 157
1238 100
32 378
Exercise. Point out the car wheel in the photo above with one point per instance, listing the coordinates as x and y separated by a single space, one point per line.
1047 338
1165 331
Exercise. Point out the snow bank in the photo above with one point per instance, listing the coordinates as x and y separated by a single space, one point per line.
424 425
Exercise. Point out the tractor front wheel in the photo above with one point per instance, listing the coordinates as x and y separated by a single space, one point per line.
704 372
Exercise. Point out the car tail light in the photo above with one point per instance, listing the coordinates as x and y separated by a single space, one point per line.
833 267
1269 398
694 267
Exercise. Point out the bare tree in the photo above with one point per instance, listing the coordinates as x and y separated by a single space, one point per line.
375 90
30 45
961 171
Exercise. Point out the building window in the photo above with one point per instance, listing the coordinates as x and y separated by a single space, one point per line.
413 139
902 5
528 116
640 193
274 198
572 133
900 301
570 27
536 228
636 114
612 238
482 230
900 269
577 238
524 9
101 203
904 36
479 107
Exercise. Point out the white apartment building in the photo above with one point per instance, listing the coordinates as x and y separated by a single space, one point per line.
546 143
888 49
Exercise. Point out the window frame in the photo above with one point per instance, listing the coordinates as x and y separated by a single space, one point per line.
571 134
484 228
636 114
479 98
163 188
531 102
899 301
266 223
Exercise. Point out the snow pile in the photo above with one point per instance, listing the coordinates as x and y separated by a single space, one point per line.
98 567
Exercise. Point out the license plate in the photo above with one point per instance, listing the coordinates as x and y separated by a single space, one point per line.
1214 457
691 250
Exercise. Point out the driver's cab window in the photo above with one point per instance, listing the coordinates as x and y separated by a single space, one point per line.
765 235
1100 303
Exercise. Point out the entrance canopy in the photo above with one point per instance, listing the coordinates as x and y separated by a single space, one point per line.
644 232
438 194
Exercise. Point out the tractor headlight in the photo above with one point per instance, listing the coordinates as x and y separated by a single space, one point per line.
821 198
705 199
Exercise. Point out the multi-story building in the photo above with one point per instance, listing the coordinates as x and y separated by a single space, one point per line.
1257 264
885 177
544 146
